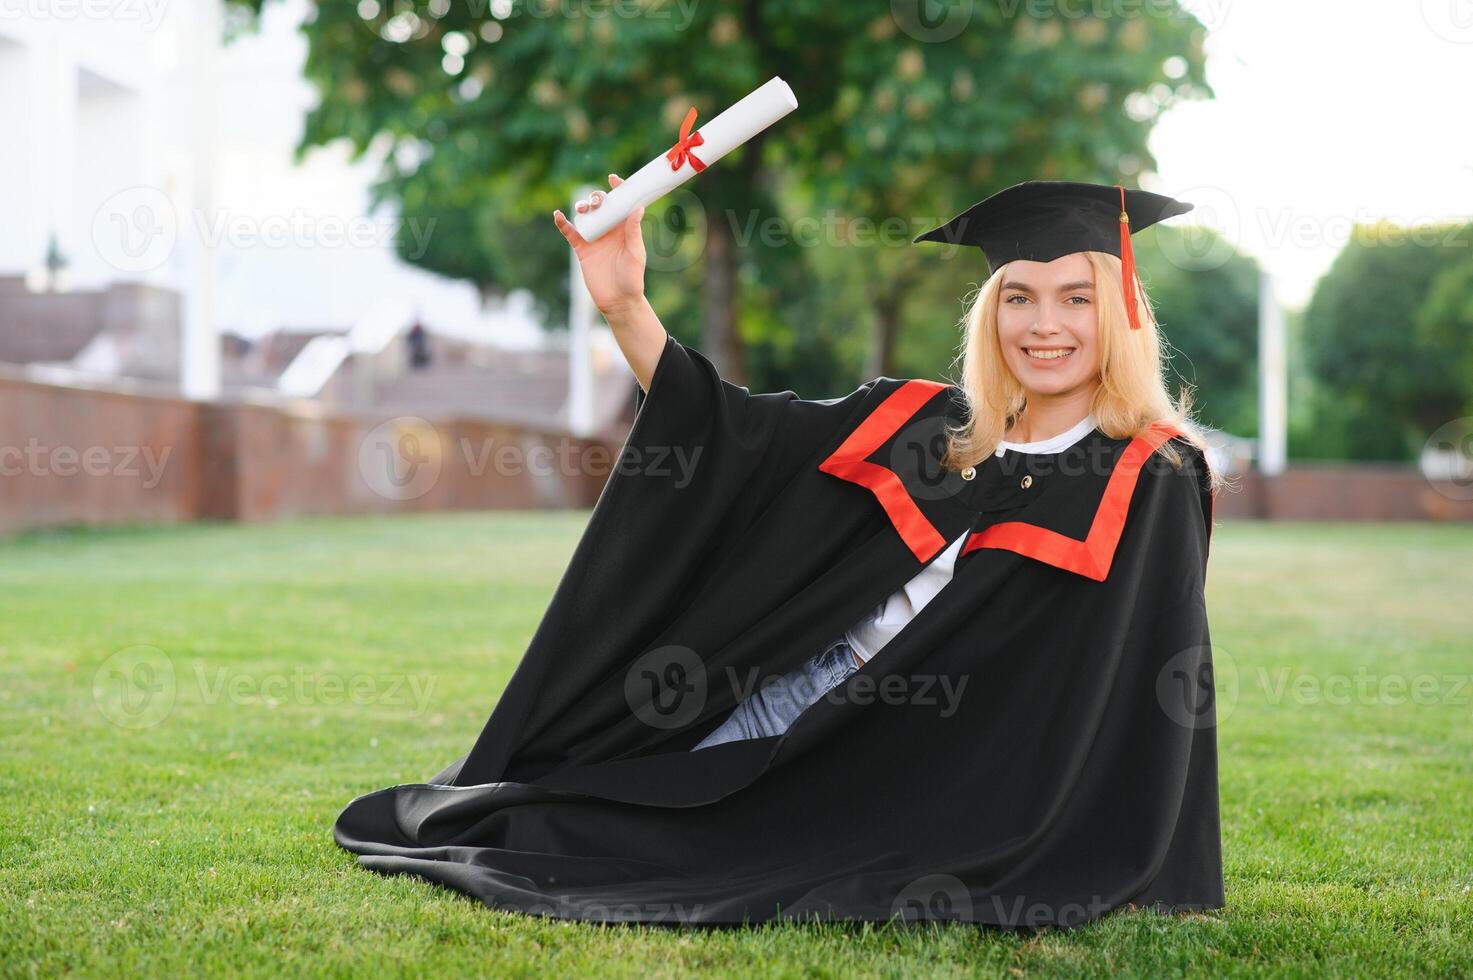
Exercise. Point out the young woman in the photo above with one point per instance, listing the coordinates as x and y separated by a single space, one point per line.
1051 354
980 607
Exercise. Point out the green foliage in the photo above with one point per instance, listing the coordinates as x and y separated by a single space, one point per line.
1444 323
1385 337
1206 298
492 113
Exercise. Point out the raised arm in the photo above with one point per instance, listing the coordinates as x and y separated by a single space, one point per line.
613 271
747 443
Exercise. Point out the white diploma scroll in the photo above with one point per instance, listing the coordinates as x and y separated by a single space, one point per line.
691 153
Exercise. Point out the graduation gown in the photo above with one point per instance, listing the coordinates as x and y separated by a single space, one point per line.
1036 747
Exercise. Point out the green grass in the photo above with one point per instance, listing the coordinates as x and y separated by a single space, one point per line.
200 840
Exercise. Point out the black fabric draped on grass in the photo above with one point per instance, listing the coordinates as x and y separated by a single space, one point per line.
1037 747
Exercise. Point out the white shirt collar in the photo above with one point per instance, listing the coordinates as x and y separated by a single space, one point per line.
1053 444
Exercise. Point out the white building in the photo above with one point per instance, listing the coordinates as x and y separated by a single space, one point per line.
153 153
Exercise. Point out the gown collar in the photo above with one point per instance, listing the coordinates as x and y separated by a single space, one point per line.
1065 508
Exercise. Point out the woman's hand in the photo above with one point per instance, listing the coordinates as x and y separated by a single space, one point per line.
613 271
613 265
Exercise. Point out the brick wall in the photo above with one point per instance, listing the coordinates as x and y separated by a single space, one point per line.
86 456
94 457
90 456
1344 492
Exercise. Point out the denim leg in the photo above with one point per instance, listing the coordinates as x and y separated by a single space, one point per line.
773 707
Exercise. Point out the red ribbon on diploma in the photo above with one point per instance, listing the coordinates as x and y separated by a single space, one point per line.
680 152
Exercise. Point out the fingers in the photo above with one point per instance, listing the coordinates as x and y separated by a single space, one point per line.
590 202
583 206
566 227
593 200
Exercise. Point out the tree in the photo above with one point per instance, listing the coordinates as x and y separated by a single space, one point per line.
926 123
1444 325
900 117
1377 343
1206 298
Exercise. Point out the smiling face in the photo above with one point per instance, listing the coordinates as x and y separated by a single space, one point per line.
1047 325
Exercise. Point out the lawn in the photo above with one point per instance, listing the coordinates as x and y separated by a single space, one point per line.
292 667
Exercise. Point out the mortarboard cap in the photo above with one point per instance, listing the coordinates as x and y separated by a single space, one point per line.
1040 220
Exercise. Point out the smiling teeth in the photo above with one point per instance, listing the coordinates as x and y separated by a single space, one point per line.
1048 355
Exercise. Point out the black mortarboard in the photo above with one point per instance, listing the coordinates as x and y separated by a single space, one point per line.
1040 220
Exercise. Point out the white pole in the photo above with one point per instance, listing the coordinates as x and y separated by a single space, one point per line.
199 361
61 167
581 314
1273 397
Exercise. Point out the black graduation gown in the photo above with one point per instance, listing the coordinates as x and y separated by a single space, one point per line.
1036 747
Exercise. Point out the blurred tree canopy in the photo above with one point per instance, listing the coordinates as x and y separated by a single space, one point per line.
1388 341
489 113
1206 299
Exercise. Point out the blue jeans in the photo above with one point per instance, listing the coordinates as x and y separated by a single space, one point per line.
772 707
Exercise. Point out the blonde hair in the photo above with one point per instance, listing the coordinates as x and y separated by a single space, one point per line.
1132 393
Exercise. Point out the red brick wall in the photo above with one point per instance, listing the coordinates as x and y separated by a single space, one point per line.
95 457
79 456
1344 492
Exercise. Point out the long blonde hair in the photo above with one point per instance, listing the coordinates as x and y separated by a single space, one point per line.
1132 393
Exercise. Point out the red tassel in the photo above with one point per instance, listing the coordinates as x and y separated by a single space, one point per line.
1127 266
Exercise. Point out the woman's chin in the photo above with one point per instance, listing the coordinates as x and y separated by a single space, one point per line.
1048 382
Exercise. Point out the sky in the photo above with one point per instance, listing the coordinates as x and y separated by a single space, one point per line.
316 284
1326 114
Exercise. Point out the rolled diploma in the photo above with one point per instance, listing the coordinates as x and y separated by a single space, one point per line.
655 179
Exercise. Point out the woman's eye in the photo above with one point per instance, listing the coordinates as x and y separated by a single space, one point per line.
1073 298
1017 296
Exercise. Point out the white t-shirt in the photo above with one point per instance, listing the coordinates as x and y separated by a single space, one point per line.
887 619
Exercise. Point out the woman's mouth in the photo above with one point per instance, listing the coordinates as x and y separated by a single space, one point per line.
1048 353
